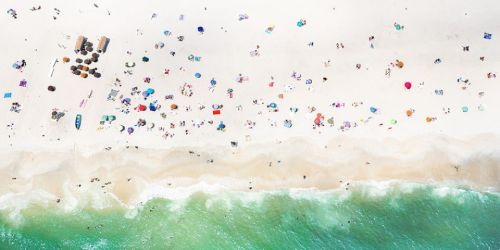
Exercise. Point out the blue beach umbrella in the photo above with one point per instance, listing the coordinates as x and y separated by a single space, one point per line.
300 24
373 109
213 82
201 29
221 126
197 75
309 81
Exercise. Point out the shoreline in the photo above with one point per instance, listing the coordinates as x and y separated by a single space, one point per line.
132 178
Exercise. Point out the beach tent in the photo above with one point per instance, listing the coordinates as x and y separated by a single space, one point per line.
201 29
7 95
145 59
126 101
216 112
487 36
309 81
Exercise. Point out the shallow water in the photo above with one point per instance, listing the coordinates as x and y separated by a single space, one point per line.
365 217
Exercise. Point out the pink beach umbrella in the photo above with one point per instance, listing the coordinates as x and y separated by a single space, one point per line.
408 85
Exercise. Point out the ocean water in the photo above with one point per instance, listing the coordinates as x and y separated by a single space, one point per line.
365 217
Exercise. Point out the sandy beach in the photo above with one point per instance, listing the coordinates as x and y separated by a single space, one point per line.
251 96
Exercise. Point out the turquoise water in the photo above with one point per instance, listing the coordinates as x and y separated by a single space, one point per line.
423 217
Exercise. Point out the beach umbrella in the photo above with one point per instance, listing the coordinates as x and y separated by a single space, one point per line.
130 130
94 59
79 66
145 94
85 68
77 72
408 85
97 75
91 71
213 82
84 52
197 75
65 59
273 105
145 59
300 24
142 107
95 55
330 121
221 126
89 49
16 66
288 124
51 88
150 91
173 106
409 112
465 109
373 109
78 60
400 64
87 61
152 107
88 44
393 121
309 81
84 75
201 29
72 68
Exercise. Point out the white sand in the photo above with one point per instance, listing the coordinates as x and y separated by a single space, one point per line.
44 154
